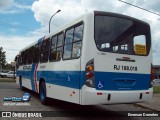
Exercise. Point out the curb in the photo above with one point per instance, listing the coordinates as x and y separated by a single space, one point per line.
142 106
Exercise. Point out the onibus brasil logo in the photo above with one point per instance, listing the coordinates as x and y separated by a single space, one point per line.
17 100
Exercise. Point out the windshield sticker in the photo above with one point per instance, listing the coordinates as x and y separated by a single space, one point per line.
140 49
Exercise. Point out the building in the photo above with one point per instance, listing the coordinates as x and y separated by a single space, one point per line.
157 70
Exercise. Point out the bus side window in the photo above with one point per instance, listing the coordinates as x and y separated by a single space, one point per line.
44 50
52 56
25 57
78 36
78 33
69 36
72 47
67 51
68 44
36 52
76 49
59 47
20 60
30 55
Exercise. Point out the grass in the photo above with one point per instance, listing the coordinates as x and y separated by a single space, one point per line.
156 89
7 80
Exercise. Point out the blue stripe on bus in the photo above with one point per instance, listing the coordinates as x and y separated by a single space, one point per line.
62 78
76 79
122 81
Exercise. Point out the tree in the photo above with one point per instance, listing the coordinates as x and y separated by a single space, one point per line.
2 57
8 67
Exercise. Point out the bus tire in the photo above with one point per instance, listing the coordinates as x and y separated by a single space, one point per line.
20 83
43 97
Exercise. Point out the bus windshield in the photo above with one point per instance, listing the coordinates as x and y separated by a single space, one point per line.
123 36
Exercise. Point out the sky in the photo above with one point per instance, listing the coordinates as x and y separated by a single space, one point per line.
25 21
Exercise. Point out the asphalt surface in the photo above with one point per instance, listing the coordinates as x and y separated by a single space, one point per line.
10 89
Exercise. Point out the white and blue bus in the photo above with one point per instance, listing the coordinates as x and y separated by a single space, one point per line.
99 58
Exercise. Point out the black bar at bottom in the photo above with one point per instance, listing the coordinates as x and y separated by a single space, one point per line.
32 114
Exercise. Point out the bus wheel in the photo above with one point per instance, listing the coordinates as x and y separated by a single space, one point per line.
20 83
43 97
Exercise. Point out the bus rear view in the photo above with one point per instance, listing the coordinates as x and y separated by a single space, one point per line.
121 66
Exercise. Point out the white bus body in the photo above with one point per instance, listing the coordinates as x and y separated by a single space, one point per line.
105 66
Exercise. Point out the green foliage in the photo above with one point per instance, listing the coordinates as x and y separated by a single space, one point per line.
156 89
8 67
2 57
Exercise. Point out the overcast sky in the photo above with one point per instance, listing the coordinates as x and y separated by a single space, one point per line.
24 21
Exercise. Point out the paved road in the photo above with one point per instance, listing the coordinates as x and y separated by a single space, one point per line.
10 89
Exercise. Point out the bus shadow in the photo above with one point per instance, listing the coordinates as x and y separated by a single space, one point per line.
95 111
67 109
